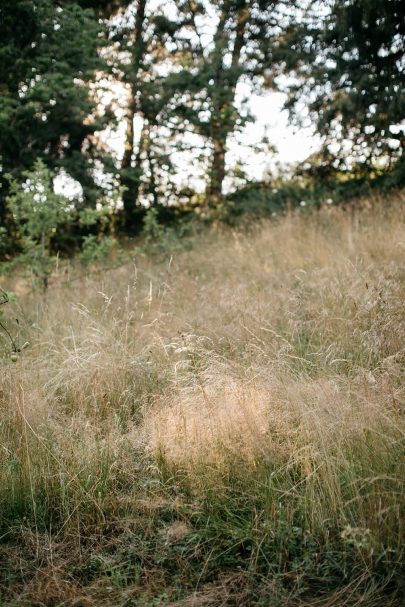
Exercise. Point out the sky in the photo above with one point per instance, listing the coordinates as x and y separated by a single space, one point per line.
292 145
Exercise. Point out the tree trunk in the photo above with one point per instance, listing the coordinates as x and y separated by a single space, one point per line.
217 174
131 168
152 184
128 174
131 174
226 79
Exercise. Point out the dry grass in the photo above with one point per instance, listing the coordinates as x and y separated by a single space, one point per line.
238 407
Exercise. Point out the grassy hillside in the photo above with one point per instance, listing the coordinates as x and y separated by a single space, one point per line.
224 426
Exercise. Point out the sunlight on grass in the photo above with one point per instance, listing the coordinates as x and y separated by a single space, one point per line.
220 427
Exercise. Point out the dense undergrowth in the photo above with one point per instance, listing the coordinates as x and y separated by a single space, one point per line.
217 426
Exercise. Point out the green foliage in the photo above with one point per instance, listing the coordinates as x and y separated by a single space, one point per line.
264 199
48 56
204 91
314 184
94 249
350 73
152 229
100 247
4 241
197 92
37 212
56 60
161 240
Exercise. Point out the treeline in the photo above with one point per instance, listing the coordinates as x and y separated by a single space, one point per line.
71 71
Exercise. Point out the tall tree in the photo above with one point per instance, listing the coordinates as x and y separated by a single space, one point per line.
144 46
241 48
182 81
131 170
234 19
48 57
350 70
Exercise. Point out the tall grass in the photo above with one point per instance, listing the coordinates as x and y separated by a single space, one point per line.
224 426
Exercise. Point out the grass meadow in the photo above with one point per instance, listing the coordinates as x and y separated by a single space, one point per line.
221 425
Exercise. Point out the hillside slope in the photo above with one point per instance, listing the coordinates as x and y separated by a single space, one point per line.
220 426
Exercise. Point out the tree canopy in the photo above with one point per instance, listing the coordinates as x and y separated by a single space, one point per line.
73 71
49 58
350 70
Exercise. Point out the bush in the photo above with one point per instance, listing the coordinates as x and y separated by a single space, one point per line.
37 212
94 249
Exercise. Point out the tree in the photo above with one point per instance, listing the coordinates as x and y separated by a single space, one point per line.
181 82
131 170
37 212
241 49
349 68
48 57
140 47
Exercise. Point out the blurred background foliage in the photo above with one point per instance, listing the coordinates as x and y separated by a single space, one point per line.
73 72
